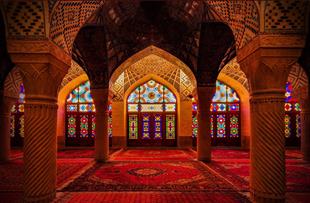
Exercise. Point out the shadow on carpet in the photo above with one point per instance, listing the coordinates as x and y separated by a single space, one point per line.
149 176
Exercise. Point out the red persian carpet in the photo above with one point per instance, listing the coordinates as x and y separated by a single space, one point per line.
237 172
151 197
16 153
11 173
149 176
154 155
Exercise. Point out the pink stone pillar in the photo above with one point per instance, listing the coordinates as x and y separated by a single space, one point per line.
102 138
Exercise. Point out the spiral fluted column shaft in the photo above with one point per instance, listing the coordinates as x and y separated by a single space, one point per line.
4 129
205 95
102 138
305 137
40 151
267 174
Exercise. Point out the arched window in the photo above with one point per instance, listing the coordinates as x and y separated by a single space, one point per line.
151 115
17 120
292 118
81 118
225 117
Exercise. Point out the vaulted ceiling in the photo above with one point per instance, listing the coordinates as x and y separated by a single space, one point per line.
121 28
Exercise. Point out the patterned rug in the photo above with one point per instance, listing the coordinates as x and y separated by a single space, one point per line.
11 173
151 197
154 155
238 171
149 176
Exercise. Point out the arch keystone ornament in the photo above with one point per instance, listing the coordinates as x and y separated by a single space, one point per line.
42 74
266 62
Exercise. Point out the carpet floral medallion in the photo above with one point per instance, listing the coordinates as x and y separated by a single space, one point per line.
148 176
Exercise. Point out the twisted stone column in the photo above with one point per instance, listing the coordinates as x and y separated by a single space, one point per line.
267 179
102 138
5 124
40 149
205 95
305 137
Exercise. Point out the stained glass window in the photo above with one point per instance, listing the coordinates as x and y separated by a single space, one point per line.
224 119
151 111
17 119
145 126
292 121
133 127
170 127
81 117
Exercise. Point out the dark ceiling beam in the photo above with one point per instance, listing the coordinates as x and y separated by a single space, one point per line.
216 44
6 65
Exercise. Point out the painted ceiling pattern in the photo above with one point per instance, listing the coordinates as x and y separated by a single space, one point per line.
158 66
74 71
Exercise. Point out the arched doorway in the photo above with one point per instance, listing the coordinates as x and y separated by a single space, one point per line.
225 117
151 115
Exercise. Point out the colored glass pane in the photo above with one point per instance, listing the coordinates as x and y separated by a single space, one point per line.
297 107
287 122
169 96
21 108
234 126
146 126
21 94
151 107
134 96
12 125
72 107
83 126
22 126
170 107
218 107
72 126
151 92
93 126
211 126
288 92
133 107
298 125
133 127
195 126
233 107
194 107
170 126
87 108
73 97
288 107
221 126
158 121
84 93
232 95
220 93
13 109
110 125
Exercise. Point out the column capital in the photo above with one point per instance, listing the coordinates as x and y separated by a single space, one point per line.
41 51
101 99
268 58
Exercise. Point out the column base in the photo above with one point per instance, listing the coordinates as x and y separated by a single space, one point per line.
204 159
104 160
266 198
41 199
